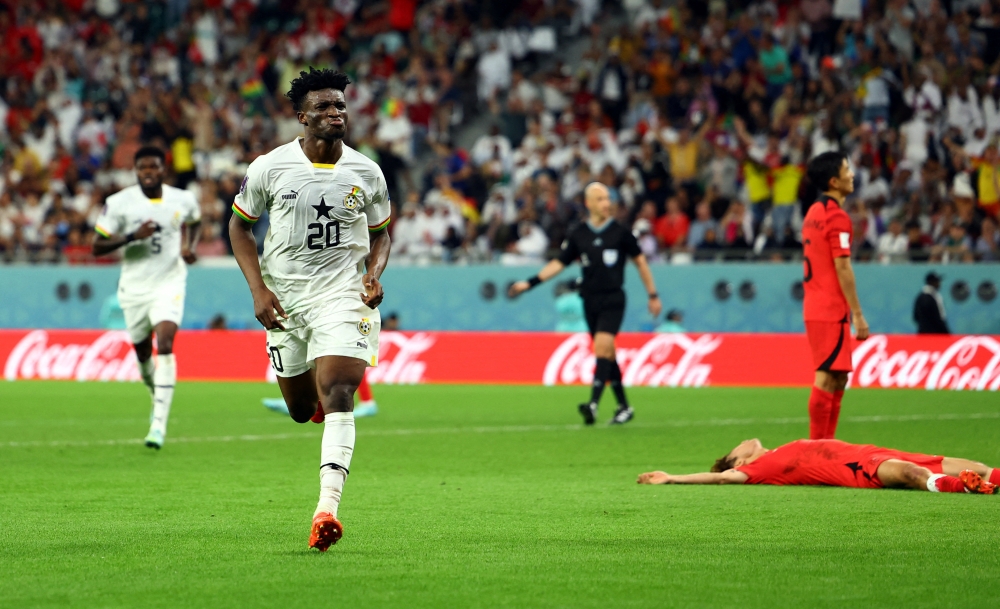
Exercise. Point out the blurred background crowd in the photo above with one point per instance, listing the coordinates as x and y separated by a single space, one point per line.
489 117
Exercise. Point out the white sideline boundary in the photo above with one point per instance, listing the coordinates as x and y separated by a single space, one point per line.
504 429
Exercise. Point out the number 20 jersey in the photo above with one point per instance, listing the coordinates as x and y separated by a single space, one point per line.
320 218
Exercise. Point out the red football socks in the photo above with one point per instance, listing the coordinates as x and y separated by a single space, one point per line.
319 416
365 390
820 405
831 425
995 476
949 484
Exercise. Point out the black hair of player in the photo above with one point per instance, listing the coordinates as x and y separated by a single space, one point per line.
825 167
146 151
315 80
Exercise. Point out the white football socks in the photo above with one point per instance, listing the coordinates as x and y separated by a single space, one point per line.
164 378
335 461
146 369
932 482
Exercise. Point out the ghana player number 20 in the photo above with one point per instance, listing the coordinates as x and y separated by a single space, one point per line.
331 233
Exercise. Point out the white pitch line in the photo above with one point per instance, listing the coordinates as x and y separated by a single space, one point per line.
510 429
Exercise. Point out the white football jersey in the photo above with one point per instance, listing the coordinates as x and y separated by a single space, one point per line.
320 216
155 259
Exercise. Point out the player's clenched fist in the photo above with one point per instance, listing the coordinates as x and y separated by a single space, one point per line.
373 291
146 230
861 330
267 309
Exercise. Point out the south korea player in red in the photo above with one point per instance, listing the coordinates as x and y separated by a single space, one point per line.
836 463
831 302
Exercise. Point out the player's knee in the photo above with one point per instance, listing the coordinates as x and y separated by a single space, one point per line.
165 345
143 351
914 475
338 397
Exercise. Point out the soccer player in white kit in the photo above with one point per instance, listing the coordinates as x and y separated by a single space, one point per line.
316 288
158 225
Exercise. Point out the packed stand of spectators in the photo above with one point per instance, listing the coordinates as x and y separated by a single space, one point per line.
701 117
85 83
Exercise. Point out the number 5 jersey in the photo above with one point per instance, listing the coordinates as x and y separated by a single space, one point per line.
320 218
150 262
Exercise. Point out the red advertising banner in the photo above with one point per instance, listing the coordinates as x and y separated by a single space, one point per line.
672 360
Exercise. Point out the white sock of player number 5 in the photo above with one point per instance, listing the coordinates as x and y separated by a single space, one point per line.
335 461
163 394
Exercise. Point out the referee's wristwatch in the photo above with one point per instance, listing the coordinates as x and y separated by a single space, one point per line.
654 295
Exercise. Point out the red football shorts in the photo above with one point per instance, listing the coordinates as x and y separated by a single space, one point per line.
881 455
831 344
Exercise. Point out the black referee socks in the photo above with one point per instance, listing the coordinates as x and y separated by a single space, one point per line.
602 374
616 383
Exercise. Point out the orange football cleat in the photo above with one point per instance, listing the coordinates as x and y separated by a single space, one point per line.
319 416
975 483
326 531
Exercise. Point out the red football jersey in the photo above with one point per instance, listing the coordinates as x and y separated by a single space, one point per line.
828 463
826 234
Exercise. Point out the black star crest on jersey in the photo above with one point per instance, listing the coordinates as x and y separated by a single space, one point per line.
322 209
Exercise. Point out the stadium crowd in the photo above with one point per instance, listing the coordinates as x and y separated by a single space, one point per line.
700 116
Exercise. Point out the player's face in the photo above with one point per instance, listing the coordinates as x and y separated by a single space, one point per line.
324 113
149 172
845 182
746 449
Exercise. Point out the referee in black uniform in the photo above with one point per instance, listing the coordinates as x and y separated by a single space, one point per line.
602 246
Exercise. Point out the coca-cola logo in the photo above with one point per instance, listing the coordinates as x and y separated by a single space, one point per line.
971 362
666 360
399 358
107 358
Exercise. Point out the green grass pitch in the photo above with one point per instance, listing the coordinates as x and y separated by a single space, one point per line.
470 496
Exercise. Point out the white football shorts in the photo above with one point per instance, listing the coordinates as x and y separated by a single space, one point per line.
144 310
312 333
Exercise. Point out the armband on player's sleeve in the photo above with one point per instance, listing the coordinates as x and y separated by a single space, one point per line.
244 215
380 226
102 232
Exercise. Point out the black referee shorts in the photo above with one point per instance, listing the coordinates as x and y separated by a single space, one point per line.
604 312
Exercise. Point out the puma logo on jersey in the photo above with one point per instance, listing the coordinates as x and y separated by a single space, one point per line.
290 197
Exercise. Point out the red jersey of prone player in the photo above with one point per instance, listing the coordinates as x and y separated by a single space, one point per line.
836 463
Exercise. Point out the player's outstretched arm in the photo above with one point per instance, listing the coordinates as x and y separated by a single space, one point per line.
730 476
266 307
845 275
375 263
550 270
642 265
105 245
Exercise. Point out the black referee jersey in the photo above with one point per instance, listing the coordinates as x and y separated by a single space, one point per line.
602 254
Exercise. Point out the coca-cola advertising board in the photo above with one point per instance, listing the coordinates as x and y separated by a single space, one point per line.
656 360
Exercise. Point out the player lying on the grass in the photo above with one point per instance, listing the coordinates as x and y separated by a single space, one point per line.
836 463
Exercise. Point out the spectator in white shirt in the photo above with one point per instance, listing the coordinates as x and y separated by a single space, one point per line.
924 96
892 245
488 145
963 108
494 69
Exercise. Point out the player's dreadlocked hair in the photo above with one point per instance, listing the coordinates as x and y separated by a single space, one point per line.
315 80
726 462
